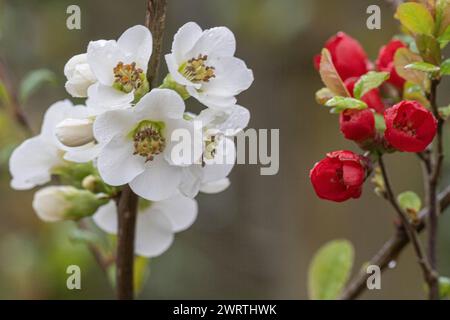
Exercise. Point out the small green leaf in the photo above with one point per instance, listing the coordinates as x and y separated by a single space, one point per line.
445 68
444 39
380 123
404 57
141 273
369 82
423 67
416 18
442 15
330 270
444 287
340 104
33 81
330 76
409 202
429 49
444 112
323 95
415 92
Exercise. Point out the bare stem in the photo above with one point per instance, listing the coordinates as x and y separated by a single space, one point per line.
127 205
433 181
428 273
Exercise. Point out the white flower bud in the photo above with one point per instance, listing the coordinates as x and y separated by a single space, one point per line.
58 203
75 132
79 76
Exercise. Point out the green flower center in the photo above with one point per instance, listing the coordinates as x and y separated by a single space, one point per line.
148 139
128 78
196 70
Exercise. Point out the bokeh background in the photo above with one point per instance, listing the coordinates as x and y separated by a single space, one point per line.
255 240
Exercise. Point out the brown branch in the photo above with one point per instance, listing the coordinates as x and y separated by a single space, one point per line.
127 205
155 19
428 273
433 180
390 250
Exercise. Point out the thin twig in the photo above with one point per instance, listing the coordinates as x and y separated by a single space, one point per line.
390 251
127 204
432 190
428 273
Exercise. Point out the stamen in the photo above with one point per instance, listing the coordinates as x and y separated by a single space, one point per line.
196 70
148 142
127 77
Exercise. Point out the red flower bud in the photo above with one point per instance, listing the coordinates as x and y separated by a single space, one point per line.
349 58
372 98
409 126
339 176
357 125
385 62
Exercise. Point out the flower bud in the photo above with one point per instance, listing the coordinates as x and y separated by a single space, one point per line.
339 176
410 127
58 203
75 132
349 58
79 76
385 62
357 125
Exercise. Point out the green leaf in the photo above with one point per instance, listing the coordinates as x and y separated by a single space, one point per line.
415 92
380 123
340 104
444 39
33 81
444 287
409 201
323 95
416 18
4 95
444 112
330 270
423 67
442 15
330 76
404 57
429 49
369 82
141 273
445 68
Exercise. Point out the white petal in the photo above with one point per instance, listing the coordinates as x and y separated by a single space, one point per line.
182 211
211 100
215 186
159 181
215 42
31 163
154 234
116 163
232 77
111 123
106 217
58 112
83 154
191 181
160 104
184 40
107 98
173 67
223 162
136 44
229 121
79 76
103 56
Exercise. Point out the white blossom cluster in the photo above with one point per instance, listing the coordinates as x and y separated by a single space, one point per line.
124 133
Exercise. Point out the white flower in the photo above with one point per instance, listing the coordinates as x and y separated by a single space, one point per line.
32 162
120 68
219 154
155 225
138 148
75 132
79 76
204 62
56 203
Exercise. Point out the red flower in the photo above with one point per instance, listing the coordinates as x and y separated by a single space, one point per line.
372 98
409 126
348 56
357 125
339 176
385 62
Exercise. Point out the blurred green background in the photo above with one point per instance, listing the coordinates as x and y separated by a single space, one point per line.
255 240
